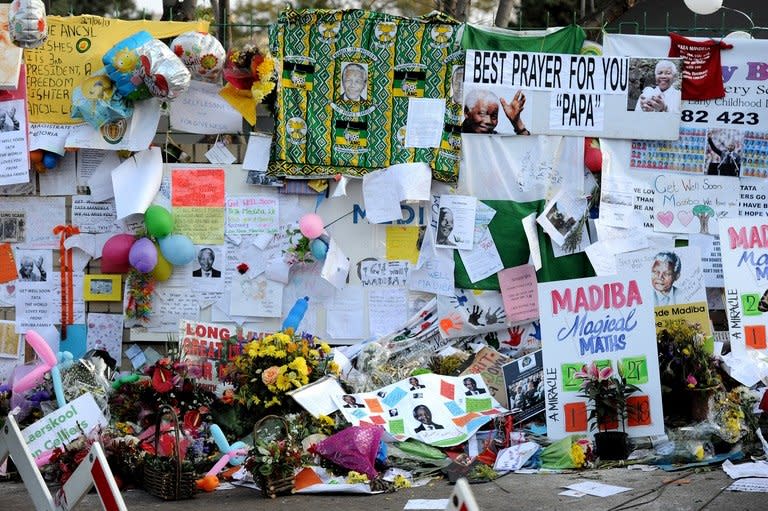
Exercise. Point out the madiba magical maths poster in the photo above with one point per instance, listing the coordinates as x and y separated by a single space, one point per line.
608 320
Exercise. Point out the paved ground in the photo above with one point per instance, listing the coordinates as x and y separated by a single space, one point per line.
656 490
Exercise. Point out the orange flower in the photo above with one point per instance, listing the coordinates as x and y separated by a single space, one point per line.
269 376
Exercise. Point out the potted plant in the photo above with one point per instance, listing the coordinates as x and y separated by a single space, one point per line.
607 395
689 375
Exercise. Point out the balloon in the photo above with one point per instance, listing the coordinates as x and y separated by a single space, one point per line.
704 6
163 270
27 24
203 55
114 255
177 249
593 156
208 483
50 160
232 453
311 225
143 255
159 221
319 248
49 360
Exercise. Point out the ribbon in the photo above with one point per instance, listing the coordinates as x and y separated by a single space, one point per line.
65 262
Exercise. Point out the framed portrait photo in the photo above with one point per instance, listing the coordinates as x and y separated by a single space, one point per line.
102 288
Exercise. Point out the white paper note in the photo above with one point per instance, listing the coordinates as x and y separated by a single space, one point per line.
201 110
344 319
424 127
336 266
387 310
257 153
136 182
483 260
62 180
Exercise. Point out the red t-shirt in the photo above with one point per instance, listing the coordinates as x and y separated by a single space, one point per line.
702 72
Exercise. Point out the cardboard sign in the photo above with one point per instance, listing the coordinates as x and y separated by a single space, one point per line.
64 425
609 321
207 349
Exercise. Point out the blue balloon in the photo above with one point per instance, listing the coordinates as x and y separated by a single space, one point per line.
177 249
51 160
319 248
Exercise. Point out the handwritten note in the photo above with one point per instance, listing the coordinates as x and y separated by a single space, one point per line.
344 317
169 306
252 215
519 293
257 153
384 273
197 197
387 310
201 110
434 276
255 297
94 217
483 260
424 125
34 308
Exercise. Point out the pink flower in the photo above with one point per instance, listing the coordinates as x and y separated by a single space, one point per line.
592 372
692 382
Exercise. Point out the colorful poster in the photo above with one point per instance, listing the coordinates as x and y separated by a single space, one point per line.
744 244
198 200
693 204
207 349
609 321
488 363
438 410
722 137
514 93
677 279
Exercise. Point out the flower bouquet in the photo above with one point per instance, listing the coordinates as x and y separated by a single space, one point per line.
250 69
687 367
269 367
607 395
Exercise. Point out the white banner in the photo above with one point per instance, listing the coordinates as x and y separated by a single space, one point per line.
576 95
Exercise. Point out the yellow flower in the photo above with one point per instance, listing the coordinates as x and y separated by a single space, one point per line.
356 477
334 368
699 453
686 352
283 380
401 482
324 346
269 376
314 354
300 365
577 455
251 348
291 347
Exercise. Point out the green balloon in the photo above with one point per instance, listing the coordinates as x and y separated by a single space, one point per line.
159 221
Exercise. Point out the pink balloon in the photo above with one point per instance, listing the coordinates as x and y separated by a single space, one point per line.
114 256
45 353
143 255
311 225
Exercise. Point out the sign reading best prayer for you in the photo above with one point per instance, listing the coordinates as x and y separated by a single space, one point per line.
553 94
609 321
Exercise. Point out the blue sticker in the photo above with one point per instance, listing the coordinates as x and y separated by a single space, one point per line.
454 408
475 424
359 413
395 396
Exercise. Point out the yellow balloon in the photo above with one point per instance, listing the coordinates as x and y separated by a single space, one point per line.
163 269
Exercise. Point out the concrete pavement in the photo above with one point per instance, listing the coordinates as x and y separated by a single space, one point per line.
683 491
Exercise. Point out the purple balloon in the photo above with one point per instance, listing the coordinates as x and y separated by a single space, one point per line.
143 255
